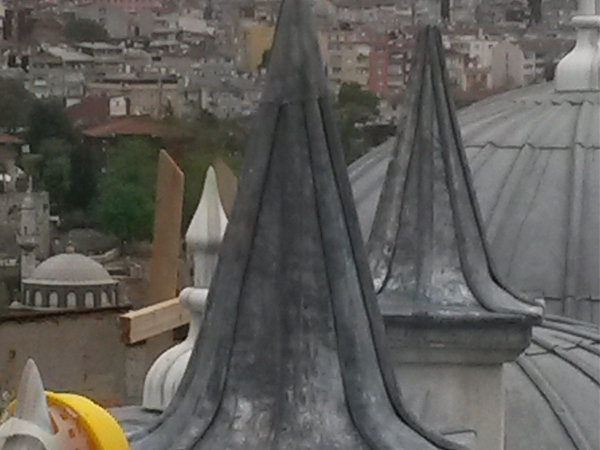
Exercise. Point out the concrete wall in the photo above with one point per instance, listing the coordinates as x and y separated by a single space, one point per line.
144 98
80 352
254 38
464 402
507 65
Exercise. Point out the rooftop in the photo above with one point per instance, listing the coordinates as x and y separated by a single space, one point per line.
69 269
135 126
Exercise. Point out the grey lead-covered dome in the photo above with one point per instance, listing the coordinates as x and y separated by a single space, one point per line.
70 269
69 281
553 389
535 154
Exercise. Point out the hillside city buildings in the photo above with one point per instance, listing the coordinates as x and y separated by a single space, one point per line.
174 57
178 57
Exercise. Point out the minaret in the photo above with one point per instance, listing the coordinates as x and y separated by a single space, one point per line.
451 324
28 235
292 352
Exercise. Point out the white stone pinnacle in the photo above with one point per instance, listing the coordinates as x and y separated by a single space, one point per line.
203 238
580 69
29 428
206 231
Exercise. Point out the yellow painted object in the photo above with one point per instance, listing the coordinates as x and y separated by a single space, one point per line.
101 427
81 424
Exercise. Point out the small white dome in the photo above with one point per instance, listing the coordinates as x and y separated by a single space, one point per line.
70 269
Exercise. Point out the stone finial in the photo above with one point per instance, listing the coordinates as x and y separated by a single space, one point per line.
206 231
164 377
203 238
292 350
580 69
427 250
30 427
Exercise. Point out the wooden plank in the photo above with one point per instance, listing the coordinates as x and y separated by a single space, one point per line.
144 323
167 231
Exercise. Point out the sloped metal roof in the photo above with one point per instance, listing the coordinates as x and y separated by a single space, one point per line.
553 389
535 158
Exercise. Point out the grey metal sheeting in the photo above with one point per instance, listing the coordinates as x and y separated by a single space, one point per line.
535 160
553 389
291 354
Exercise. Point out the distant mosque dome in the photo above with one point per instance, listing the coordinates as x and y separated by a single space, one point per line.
69 280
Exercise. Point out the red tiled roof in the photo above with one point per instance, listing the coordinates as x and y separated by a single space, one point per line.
7 139
91 111
134 126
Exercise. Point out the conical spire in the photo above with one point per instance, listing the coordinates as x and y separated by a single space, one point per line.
427 251
291 354
206 230
30 424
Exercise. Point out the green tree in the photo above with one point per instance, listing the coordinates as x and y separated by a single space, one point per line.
264 60
49 119
355 107
354 94
56 172
125 204
85 30
83 178
15 104
126 210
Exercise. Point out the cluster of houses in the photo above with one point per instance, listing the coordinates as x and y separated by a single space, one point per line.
172 58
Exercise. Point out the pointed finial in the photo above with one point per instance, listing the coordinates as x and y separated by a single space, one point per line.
31 402
580 69
206 231
427 249
70 247
291 353
30 427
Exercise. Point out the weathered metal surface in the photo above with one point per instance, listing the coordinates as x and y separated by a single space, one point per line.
554 388
292 354
427 251
535 159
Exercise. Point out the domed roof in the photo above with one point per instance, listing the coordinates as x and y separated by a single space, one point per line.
70 269
534 155
553 386
543 170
